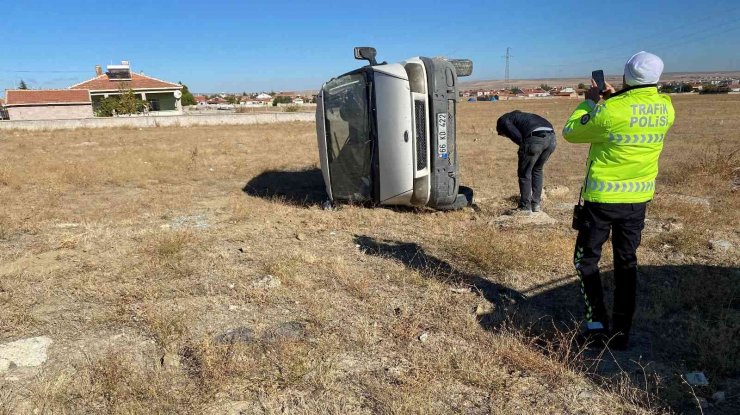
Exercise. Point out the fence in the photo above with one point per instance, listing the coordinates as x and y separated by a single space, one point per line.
158 121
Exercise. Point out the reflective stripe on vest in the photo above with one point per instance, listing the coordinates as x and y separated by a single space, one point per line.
620 187
636 138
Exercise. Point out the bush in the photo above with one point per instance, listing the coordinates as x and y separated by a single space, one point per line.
714 89
187 96
291 108
125 103
281 100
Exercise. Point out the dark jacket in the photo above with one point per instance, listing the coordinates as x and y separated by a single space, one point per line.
519 125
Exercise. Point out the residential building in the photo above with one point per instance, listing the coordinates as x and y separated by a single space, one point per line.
535 93
163 97
217 100
48 104
567 92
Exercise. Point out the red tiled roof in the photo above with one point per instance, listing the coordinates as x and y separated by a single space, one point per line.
47 96
138 81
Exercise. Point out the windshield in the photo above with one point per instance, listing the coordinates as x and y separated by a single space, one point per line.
348 141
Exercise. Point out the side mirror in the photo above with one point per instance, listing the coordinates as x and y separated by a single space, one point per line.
366 53
463 67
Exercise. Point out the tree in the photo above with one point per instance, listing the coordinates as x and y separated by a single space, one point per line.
714 89
106 107
515 90
232 99
127 102
281 99
545 87
187 96
22 85
582 86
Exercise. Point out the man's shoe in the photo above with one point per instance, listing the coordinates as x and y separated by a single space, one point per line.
536 207
522 210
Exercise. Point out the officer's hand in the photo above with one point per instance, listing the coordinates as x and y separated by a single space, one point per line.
609 90
593 93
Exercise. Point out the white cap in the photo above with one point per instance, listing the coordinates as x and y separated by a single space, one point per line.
643 68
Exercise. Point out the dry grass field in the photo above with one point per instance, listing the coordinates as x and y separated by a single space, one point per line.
192 270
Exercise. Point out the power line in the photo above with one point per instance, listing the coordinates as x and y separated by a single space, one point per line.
507 57
606 53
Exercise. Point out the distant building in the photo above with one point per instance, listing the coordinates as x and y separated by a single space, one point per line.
535 93
260 100
201 100
697 87
217 101
48 104
163 97
567 92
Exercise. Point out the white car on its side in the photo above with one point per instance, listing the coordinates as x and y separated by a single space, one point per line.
386 133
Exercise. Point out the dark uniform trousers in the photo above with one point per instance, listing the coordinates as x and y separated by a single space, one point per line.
626 221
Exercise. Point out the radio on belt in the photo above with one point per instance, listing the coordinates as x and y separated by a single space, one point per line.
386 133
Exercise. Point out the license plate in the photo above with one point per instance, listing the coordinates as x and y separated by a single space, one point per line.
442 135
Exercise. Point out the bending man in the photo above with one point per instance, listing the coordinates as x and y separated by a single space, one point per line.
536 140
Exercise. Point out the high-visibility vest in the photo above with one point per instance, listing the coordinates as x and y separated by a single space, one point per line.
626 133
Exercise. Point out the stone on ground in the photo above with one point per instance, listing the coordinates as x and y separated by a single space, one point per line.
521 219
268 281
29 352
720 245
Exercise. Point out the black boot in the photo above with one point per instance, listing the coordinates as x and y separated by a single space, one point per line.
620 334
624 307
596 328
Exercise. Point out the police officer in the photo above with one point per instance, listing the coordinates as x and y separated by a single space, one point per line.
536 140
626 132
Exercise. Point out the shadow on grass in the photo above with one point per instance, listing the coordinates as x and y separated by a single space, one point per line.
299 188
687 319
429 266
305 188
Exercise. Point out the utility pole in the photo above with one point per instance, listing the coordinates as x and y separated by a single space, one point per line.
507 57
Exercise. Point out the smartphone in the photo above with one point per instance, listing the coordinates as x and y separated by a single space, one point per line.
598 77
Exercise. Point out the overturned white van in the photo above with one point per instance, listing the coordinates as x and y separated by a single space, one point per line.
386 133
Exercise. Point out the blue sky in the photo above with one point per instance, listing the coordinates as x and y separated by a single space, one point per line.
216 46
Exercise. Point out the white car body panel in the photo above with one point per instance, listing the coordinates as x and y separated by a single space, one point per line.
395 146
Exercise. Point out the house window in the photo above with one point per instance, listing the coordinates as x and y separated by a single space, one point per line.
154 104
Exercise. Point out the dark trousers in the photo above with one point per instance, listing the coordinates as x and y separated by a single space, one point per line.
533 153
626 221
